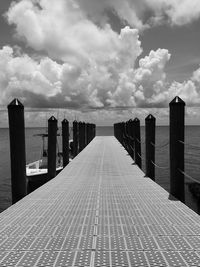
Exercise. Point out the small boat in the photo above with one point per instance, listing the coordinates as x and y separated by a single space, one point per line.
36 172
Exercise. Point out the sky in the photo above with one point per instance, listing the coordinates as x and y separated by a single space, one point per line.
101 61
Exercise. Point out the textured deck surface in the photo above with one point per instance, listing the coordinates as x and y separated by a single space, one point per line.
100 211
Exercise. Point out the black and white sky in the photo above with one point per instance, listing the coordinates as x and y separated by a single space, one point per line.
100 60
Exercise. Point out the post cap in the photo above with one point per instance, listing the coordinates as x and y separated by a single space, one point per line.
52 119
15 103
177 101
150 117
65 121
136 120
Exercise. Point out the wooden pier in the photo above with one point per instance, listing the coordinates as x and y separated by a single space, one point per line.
100 211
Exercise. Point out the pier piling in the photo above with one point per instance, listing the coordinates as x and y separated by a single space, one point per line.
75 138
137 138
65 142
52 143
150 123
84 134
177 114
17 150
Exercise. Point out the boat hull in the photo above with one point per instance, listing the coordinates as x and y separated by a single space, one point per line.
37 180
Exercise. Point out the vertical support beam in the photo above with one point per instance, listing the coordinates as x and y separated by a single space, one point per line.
84 134
17 150
80 136
121 132
52 144
65 142
95 130
132 135
150 123
177 130
138 159
88 133
75 138
124 134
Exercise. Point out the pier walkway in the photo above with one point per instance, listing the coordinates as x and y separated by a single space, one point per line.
100 211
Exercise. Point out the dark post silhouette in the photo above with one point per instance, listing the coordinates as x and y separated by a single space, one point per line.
132 136
94 130
80 136
121 132
150 123
75 138
84 134
137 139
65 142
17 150
87 133
177 125
52 143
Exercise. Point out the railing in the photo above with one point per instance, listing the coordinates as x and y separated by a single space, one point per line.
83 133
128 134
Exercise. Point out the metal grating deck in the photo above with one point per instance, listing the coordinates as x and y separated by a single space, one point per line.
100 211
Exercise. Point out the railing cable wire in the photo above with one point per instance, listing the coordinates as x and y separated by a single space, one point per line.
159 167
160 146
190 145
189 177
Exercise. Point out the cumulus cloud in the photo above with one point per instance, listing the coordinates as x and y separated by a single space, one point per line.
117 83
87 64
113 83
174 11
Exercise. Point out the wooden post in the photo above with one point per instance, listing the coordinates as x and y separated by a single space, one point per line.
150 123
138 159
177 125
17 150
80 136
65 142
88 133
52 144
84 134
121 132
94 130
75 138
129 136
132 135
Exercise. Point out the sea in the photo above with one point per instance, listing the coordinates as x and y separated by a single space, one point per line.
34 147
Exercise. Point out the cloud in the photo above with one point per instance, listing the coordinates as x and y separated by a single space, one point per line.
87 65
45 83
174 12
100 84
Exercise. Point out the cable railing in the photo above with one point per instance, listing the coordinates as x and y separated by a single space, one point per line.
189 177
190 145
181 153
159 167
160 145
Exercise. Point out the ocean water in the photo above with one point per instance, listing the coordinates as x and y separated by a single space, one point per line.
34 145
